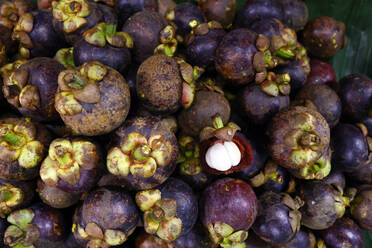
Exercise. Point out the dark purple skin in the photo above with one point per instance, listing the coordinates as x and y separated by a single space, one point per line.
253 241
71 242
126 8
335 178
43 73
323 37
202 49
258 9
144 27
185 13
267 26
325 100
147 126
344 233
258 107
364 173
88 179
296 13
223 11
356 96
260 156
55 197
322 73
273 222
196 238
187 204
350 148
108 207
318 211
361 207
234 56
51 224
45 39
117 58
302 239
275 186
231 201
297 74
3 226
28 189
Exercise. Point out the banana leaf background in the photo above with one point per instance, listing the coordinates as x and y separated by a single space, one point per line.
357 56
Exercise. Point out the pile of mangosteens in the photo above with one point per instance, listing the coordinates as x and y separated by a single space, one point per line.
155 124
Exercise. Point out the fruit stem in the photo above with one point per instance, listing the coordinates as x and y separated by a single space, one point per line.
217 122
5 195
141 152
10 137
284 53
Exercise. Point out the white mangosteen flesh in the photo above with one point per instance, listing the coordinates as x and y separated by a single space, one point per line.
223 156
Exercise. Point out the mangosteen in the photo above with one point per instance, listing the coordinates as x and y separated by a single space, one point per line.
164 84
189 166
318 170
336 178
55 197
296 13
15 195
364 173
224 150
350 147
356 96
343 233
36 35
36 226
257 106
73 17
234 56
254 10
228 209
126 8
144 27
92 99
11 10
299 136
23 147
73 165
206 106
107 217
302 239
361 208
185 15
278 218
272 178
322 73
170 211
323 204
31 87
196 238
143 153
103 44
323 36
222 11
324 99
202 43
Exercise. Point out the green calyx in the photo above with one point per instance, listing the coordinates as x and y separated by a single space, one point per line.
65 57
22 233
224 235
160 214
269 173
168 42
276 84
104 33
11 137
219 130
100 238
10 196
188 156
139 156
66 159
72 13
319 170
